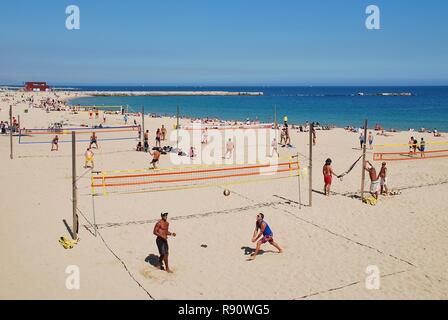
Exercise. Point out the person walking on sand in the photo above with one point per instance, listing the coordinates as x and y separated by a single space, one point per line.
125 118
155 158
383 179
374 179
89 158
229 148
264 235
361 139
370 140
93 140
274 148
161 231
328 176
55 144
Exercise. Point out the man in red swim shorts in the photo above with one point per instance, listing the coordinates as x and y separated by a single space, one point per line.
328 175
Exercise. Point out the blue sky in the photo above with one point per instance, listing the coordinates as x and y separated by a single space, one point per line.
225 42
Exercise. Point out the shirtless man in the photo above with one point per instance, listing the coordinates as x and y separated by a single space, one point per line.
328 175
55 143
155 158
313 132
161 230
383 179
374 179
265 234
93 140
229 148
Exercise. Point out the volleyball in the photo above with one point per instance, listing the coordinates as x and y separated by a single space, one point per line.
227 192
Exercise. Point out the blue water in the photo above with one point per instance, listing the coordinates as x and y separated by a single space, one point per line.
340 106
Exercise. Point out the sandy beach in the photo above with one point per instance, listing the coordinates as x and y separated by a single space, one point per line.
327 247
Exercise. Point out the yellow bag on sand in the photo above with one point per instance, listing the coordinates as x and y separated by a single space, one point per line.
370 200
66 243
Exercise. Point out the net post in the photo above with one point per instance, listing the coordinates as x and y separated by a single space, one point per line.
11 154
74 189
298 175
363 175
310 167
143 125
177 129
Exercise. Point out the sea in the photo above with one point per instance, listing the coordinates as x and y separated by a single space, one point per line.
426 107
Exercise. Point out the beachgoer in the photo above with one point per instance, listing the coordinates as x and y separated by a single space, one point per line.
192 152
139 146
370 140
161 231
55 144
328 176
265 234
125 118
383 179
274 147
89 158
163 132
146 136
411 143
205 136
361 139
422 147
313 131
155 158
93 140
158 137
374 179
229 148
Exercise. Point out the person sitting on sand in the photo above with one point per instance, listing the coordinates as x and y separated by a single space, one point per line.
374 179
139 146
161 230
93 140
55 144
89 158
265 234
328 176
155 158
437 134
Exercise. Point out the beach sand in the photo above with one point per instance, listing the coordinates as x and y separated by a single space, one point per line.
327 247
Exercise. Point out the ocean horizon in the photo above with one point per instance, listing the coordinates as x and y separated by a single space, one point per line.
340 106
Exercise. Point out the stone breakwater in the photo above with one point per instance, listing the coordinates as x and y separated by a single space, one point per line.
168 93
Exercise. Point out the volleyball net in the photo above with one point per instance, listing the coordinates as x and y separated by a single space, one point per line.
203 126
415 151
140 181
83 134
410 155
